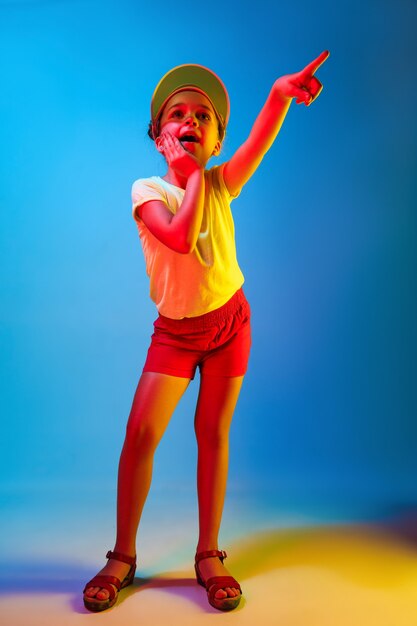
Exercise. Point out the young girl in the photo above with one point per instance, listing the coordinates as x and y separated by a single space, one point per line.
187 234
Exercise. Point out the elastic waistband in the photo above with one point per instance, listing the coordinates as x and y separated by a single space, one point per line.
210 318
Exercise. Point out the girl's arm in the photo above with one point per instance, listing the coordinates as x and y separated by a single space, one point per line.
303 86
180 231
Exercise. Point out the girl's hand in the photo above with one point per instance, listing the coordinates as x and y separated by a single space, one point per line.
178 158
303 85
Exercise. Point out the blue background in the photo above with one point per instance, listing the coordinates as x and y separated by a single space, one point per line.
326 239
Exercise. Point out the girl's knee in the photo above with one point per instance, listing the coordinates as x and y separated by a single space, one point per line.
142 435
212 436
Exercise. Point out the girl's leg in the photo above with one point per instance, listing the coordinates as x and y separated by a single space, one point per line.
155 399
216 403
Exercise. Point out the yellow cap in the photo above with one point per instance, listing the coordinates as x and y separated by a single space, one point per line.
196 78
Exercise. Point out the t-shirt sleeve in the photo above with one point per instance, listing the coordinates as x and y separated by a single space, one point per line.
143 191
218 174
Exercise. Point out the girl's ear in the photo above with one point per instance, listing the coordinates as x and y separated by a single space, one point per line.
217 149
158 144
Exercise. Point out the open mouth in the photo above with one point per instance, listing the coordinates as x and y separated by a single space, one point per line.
188 139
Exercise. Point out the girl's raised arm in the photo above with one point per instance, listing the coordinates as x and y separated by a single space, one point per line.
303 86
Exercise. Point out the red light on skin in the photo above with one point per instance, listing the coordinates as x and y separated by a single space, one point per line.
188 145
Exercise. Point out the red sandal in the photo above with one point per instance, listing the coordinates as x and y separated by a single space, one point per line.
213 584
106 582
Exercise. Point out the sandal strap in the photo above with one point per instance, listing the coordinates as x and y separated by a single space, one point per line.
215 583
105 581
119 556
210 553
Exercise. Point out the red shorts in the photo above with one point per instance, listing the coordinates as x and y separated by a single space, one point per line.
217 342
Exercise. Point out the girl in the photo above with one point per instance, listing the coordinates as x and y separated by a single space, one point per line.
187 234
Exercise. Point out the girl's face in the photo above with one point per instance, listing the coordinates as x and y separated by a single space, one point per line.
189 116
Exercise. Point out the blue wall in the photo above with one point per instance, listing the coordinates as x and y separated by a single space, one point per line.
326 238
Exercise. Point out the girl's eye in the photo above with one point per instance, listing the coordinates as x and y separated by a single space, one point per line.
179 113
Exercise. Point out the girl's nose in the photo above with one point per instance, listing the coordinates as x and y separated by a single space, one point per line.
191 120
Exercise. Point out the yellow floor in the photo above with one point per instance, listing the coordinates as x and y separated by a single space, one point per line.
356 575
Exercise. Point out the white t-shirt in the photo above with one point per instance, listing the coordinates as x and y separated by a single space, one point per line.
187 285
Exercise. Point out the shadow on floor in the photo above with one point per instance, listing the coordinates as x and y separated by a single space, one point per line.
379 554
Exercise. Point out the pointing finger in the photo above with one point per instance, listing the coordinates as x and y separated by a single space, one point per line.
314 65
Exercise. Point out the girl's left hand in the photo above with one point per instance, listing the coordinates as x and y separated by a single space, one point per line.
302 85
